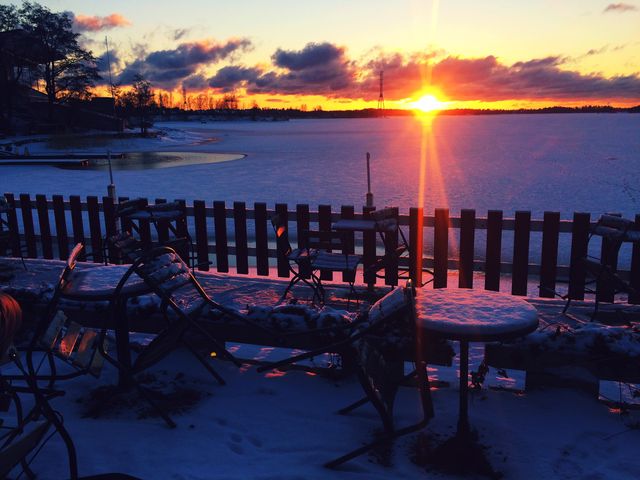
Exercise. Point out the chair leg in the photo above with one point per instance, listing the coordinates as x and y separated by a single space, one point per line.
204 362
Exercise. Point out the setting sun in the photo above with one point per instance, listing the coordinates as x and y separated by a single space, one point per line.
428 103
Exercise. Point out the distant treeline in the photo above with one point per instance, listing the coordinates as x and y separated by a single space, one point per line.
278 114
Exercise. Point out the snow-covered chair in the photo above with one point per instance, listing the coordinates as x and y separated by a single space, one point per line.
603 279
377 341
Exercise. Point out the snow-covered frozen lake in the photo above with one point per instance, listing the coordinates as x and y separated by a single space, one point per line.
566 163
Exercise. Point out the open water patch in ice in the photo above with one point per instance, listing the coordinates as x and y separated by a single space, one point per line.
153 160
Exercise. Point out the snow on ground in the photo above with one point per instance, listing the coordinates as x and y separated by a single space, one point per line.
282 425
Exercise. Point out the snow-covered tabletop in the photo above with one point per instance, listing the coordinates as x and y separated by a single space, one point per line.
474 315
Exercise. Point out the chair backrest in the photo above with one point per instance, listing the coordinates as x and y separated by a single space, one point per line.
169 277
395 305
281 229
386 219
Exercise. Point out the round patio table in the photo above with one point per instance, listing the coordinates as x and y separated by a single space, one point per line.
468 315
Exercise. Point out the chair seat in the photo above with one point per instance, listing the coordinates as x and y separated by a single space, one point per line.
99 284
336 261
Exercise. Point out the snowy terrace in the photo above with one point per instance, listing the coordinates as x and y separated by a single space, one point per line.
259 425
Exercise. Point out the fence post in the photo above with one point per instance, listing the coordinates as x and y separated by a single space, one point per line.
222 249
77 223
579 248
45 227
282 262
27 222
416 236
441 248
94 228
494 250
262 242
549 260
467 246
521 236
348 211
61 227
202 238
324 225
240 233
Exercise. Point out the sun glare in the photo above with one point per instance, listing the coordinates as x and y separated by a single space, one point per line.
427 104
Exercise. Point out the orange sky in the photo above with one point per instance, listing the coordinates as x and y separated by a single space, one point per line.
468 54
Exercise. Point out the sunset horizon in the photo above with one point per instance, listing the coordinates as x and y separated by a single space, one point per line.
330 57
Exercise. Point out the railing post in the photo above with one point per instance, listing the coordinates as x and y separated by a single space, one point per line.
45 228
549 260
94 228
240 233
494 250
467 247
220 224
579 249
441 248
201 235
283 264
61 227
262 239
368 252
521 235
27 222
416 247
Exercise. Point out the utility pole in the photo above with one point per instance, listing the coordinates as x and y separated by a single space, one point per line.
381 96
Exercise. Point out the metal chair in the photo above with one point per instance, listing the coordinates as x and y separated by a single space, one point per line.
320 253
31 428
377 343
603 279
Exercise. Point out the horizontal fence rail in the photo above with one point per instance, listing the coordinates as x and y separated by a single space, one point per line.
239 238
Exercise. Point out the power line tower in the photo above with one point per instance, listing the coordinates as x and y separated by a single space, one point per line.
381 96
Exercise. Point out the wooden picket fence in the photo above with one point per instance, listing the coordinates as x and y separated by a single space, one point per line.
239 239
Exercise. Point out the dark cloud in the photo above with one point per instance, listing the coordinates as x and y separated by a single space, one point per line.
486 79
87 23
168 68
312 55
228 78
620 8
317 69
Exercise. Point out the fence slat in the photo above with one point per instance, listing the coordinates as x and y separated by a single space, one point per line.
368 251
634 275
416 235
61 227
27 222
605 291
579 248
440 248
549 260
220 225
302 226
391 245
12 219
348 211
262 240
77 223
324 225
521 237
94 228
182 230
467 245
45 227
282 262
202 240
494 250
240 233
